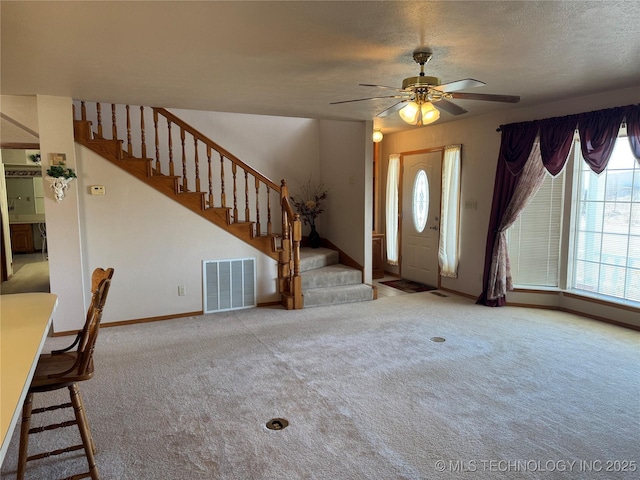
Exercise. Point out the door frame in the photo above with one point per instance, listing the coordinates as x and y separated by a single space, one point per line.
7 254
401 193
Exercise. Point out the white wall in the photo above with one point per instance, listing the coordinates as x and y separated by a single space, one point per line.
480 147
64 243
23 110
153 243
277 147
346 167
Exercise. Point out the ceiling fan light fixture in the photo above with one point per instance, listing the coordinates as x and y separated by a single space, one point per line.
422 114
377 136
429 113
410 113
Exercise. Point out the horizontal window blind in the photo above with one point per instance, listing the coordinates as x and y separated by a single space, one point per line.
534 239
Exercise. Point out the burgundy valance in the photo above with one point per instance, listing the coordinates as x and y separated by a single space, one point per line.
515 147
598 131
633 130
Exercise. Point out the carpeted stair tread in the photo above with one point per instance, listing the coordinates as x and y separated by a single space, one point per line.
331 276
312 258
316 297
325 281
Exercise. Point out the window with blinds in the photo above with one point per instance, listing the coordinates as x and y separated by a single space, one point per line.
534 239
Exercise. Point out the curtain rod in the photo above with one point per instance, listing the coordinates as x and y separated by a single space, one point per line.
577 115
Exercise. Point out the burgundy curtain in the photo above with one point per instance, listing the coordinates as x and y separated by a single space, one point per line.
505 185
515 146
633 131
556 138
598 133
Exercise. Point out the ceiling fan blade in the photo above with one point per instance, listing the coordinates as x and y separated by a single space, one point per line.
368 98
449 107
459 85
487 97
392 109
380 86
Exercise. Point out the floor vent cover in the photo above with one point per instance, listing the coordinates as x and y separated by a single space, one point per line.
228 284
277 424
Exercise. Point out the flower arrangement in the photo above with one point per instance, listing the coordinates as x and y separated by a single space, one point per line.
61 171
309 203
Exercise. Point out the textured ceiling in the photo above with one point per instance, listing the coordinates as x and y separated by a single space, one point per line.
294 58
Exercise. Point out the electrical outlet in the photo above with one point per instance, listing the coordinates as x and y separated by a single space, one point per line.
181 291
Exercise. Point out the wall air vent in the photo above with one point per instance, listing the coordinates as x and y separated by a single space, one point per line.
228 284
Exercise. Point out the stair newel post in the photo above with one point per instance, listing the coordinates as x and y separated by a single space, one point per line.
157 139
129 146
258 227
195 147
114 127
184 162
235 192
210 175
171 171
297 279
143 140
83 112
269 228
284 263
284 195
223 196
99 114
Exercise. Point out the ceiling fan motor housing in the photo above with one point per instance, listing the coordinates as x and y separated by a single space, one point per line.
420 82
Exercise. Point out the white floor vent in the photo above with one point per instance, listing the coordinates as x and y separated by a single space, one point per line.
229 284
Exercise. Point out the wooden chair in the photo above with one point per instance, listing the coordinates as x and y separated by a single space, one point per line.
66 368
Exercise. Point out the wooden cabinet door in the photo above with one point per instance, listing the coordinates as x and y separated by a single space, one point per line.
21 238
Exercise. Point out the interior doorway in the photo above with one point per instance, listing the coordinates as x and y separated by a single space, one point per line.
420 216
24 242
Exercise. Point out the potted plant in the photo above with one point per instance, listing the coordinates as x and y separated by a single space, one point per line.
309 203
60 176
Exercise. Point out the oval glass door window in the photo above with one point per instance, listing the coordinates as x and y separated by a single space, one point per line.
420 201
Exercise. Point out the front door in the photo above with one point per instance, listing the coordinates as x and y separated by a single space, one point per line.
420 230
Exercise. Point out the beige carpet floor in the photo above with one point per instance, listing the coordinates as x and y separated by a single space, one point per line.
370 391
30 274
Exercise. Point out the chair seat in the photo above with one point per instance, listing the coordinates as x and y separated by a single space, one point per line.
52 364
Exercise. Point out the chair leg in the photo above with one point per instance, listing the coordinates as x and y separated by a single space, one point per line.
24 435
86 422
85 433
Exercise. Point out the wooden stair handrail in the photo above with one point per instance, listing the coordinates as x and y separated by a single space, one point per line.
207 141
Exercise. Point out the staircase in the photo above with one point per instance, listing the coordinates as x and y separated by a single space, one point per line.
212 182
325 281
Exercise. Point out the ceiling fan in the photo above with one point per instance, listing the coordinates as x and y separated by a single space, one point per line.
419 95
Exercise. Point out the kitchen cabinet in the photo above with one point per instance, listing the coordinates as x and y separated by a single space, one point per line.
21 238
